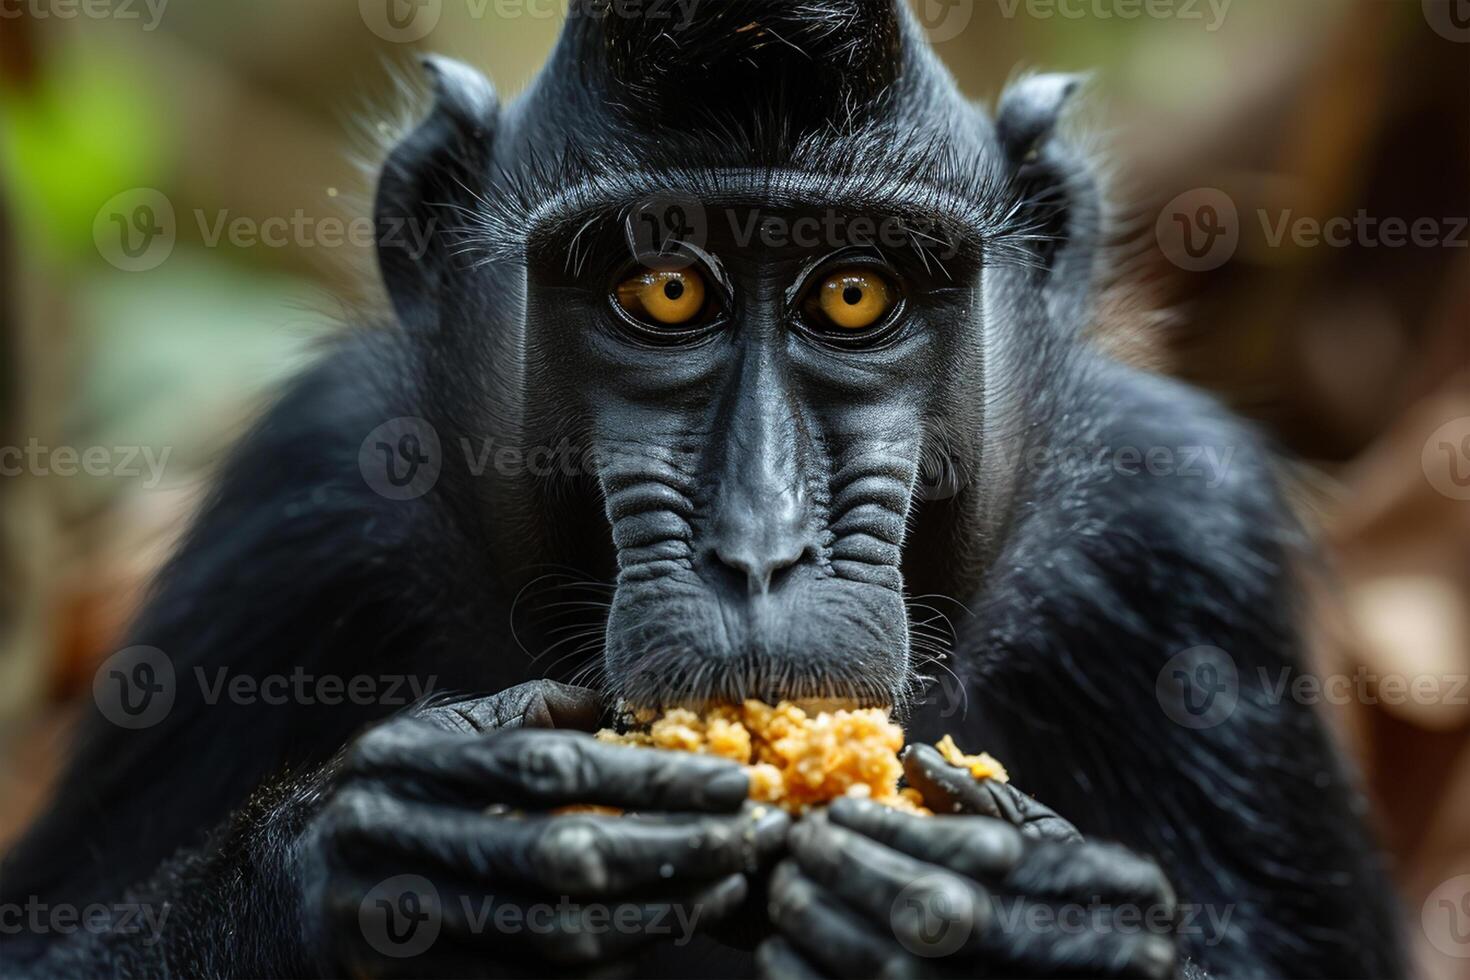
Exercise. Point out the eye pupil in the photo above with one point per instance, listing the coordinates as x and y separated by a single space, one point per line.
852 299
662 297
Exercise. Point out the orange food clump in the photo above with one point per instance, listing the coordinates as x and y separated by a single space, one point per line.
798 759
982 766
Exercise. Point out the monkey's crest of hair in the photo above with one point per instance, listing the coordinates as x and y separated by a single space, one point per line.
948 189
834 53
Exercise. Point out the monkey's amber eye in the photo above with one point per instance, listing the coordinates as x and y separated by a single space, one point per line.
662 297
854 299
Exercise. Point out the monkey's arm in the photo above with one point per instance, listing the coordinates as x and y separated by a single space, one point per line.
1133 593
1115 571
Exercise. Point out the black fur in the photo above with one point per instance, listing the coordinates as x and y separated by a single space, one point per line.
1069 587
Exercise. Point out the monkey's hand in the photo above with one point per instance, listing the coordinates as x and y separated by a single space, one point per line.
436 855
996 885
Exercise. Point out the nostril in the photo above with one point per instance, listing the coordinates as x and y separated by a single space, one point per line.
779 570
748 572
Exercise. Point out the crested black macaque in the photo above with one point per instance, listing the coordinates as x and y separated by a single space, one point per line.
767 273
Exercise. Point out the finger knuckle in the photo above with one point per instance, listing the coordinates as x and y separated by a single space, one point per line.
379 746
545 763
570 855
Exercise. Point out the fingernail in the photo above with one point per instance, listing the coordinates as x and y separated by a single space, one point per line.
727 789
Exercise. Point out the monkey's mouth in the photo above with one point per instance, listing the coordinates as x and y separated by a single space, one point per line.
626 715
657 670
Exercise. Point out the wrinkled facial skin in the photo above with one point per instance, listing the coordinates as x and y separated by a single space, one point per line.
758 471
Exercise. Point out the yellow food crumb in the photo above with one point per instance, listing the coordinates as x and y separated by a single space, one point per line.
797 759
982 766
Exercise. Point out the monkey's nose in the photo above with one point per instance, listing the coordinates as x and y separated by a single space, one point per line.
745 569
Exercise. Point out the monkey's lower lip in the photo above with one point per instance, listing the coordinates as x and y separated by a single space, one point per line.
814 706
642 714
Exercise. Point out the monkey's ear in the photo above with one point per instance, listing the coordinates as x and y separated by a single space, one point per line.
1063 199
439 167
1029 112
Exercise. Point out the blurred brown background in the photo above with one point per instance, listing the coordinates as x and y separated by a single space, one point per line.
1246 125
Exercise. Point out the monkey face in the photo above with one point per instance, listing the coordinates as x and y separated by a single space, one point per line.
758 396
763 275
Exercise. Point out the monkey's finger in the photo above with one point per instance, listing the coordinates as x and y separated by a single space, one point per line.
535 704
898 894
582 933
776 959
1094 872
580 854
533 768
978 847
1078 938
437 921
950 789
828 933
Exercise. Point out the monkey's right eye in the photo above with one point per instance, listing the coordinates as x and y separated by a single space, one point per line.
662 298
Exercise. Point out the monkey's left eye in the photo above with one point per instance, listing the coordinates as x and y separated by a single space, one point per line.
850 301
662 297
